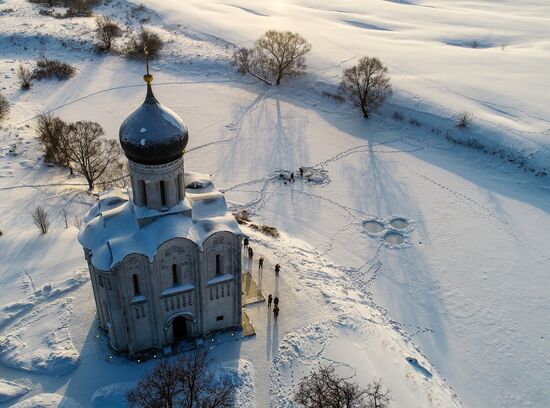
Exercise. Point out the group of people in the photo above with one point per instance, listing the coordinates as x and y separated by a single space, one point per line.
291 178
270 298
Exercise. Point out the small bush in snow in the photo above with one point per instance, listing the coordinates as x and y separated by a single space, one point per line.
40 218
24 76
464 119
398 116
47 68
52 135
415 122
367 84
106 31
266 230
145 38
4 107
324 388
475 44
185 382
276 55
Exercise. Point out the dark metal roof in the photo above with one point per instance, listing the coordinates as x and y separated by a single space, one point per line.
153 134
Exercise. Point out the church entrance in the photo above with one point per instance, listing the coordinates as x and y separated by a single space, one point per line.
180 328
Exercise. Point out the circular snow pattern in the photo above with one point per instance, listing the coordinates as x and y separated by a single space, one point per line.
399 223
374 227
393 231
394 238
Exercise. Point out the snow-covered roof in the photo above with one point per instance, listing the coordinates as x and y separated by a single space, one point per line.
111 229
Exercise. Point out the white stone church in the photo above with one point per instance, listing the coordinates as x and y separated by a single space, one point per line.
164 257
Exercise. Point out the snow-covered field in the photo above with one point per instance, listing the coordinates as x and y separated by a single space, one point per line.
465 293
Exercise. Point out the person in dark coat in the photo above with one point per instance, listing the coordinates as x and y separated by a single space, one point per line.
277 269
301 172
292 177
245 242
276 312
250 253
276 301
261 263
269 300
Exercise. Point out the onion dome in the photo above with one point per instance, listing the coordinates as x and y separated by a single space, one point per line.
153 134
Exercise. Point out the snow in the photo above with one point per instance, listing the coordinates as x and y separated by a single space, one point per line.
10 390
48 401
464 299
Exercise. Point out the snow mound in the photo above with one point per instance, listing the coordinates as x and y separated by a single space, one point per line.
112 395
10 390
48 401
40 342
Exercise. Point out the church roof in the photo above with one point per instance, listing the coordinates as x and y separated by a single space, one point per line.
111 229
153 134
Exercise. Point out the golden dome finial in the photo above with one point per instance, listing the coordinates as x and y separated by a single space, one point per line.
148 78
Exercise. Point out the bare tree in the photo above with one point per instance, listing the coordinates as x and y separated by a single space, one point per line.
182 383
52 133
106 31
40 218
116 174
4 107
275 55
90 154
463 119
367 84
377 397
323 388
25 76
145 38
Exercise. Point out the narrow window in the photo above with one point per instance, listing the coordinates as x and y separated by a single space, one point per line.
219 318
143 191
179 183
218 264
100 280
162 193
136 285
174 274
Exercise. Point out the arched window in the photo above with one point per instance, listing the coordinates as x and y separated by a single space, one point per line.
218 264
143 192
179 183
175 274
136 285
162 193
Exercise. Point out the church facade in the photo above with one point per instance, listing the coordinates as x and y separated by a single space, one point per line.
165 256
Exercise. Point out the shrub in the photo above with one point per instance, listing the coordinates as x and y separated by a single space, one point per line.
145 38
40 218
46 69
367 84
463 119
266 230
324 388
398 116
106 31
275 56
24 76
415 122
185 382
4 107
52 134
242 217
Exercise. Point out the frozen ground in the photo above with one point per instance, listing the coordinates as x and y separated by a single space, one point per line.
464 293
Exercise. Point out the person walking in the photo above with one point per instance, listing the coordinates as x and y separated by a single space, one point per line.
245 242
250 253
292 177
276 312
269 300
261 263
276 301
277 269
301 172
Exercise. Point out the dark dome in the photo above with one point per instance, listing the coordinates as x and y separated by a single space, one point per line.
153 134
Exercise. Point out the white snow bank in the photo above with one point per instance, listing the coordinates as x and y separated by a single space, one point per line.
40 342
10 390
111 229
362 353
48 401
